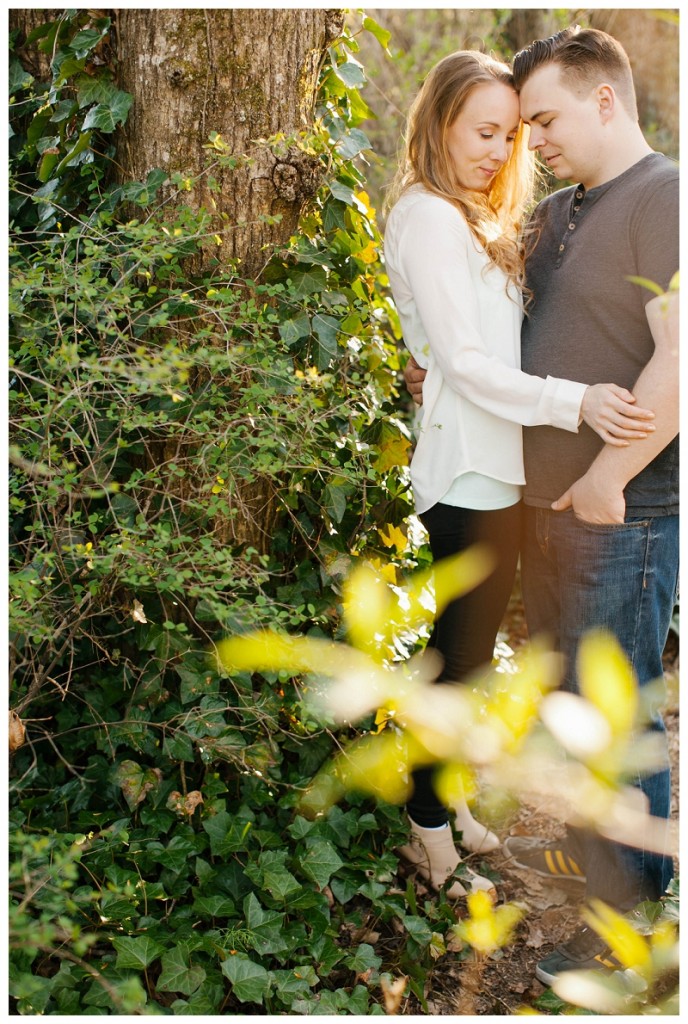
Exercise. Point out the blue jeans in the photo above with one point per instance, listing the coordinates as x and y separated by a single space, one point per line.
576 576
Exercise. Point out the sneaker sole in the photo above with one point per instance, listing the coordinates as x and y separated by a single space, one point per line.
544 976
605 966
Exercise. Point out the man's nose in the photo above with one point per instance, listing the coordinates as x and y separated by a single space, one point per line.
535 138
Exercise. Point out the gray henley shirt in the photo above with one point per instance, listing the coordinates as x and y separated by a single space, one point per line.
587 321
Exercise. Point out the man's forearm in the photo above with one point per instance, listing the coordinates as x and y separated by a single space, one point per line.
597 497
657 388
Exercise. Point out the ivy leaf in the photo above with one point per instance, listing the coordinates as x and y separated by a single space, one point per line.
106 116
392 448
381 34
300 827
228 834
84 41
250 982
320 861
136 782
63 110
334 215
344 889
277 880
205 1002
293 330
342 192
418 929
351 74
18 78
363 959
326 328
335 498
213 906
195 683
66 65
293 982
266 927
178 747
143 193
136 953
271 874
94 89
308 282
178 973
81 145
353 143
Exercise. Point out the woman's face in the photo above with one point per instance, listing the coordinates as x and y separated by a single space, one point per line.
482 136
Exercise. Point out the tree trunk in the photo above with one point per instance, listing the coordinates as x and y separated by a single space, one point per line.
25 20
246 74
525 25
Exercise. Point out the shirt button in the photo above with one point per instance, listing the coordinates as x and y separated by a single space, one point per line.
571 226
576 209
561 248
579 195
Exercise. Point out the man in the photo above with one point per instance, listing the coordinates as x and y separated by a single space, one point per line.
600 545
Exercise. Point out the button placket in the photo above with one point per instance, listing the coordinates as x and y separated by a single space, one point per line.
571 226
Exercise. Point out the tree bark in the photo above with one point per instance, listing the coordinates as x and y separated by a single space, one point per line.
525 25
246 74
25 20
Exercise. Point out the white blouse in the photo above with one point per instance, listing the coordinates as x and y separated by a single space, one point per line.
461 323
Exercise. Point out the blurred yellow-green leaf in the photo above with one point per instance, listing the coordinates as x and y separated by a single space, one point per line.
607 680
630 947
488 927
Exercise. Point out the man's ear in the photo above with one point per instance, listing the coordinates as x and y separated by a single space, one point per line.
606 101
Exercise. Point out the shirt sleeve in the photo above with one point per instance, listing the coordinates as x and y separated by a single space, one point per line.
433 247
656 235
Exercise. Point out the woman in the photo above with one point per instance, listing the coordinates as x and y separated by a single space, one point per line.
455 264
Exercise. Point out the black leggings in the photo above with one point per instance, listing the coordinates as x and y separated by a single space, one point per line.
466 630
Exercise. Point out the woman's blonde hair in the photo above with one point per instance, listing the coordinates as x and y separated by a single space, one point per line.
494 216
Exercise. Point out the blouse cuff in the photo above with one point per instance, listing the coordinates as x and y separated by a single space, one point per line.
567 400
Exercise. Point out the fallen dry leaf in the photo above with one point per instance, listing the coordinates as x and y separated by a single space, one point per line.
393 992
535 936
193 799
137 612
16 732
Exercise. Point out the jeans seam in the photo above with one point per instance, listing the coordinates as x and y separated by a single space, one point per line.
643 595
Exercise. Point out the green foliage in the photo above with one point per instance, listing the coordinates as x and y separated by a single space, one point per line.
192 454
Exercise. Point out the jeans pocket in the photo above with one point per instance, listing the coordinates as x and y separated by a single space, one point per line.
629 525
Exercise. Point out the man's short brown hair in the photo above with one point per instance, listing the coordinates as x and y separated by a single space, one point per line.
586 57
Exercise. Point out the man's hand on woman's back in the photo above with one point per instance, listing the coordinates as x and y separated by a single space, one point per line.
414 375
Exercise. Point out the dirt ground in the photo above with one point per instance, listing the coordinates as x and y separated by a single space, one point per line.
503 985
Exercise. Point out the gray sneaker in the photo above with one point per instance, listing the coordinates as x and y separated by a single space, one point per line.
584 951
549 859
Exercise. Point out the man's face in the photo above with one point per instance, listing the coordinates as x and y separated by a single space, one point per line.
565 125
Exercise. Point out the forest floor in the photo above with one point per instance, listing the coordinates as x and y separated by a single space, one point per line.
505 984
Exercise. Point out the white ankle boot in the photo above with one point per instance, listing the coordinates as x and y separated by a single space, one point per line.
475 837
432 852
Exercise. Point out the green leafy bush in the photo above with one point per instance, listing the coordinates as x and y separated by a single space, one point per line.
192 453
